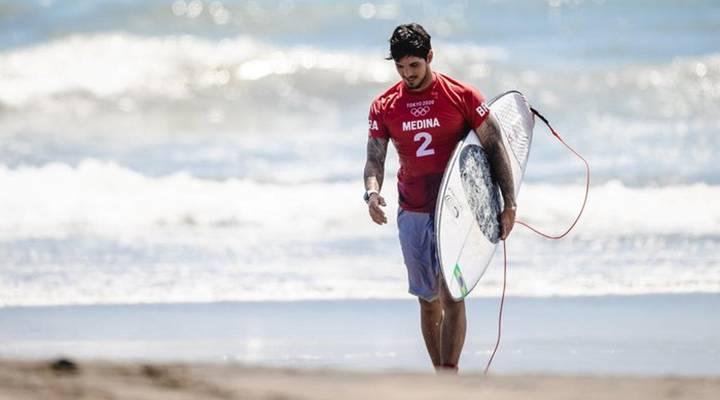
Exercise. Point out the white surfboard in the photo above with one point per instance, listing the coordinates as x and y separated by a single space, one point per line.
466 218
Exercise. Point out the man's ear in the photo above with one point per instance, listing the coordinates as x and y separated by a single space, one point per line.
430 56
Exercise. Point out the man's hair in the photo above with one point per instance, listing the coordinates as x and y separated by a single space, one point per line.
409 40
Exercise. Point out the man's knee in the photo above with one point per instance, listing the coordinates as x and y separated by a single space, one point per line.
454 308
430 307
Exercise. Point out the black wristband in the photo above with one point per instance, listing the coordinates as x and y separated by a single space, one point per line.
367 195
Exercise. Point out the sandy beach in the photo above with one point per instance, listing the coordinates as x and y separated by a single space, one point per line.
182 212
103 380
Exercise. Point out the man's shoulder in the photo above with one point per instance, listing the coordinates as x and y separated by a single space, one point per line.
453 84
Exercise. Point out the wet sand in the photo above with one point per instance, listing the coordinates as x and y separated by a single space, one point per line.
20 380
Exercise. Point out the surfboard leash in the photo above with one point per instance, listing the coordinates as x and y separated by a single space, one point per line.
545 235
500 313
587 183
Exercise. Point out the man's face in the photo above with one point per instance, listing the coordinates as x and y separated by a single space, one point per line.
413 71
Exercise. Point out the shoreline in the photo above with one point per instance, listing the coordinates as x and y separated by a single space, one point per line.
407 298
653 335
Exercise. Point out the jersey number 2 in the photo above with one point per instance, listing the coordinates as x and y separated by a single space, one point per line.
423 150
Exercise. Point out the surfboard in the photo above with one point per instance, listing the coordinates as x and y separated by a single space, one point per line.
469 202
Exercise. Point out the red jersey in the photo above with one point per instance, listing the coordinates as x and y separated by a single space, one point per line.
425 127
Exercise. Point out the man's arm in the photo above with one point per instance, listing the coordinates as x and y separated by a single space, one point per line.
374 176
491 139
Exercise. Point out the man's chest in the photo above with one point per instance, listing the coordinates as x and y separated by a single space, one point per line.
432 117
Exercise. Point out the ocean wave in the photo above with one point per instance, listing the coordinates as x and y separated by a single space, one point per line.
103 197
644 122
111 65
126 69
159 153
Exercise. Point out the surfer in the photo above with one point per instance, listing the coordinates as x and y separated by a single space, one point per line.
425 115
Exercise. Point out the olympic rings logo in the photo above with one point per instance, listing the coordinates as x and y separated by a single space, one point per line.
419 111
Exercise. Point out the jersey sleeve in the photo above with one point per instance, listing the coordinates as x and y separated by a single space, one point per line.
476 111
376 127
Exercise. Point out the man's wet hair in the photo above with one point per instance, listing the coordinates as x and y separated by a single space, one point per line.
409 40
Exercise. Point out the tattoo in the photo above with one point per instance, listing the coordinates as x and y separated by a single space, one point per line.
491 139
375 164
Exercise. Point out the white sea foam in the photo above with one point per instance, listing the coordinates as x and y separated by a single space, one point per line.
210 267
102 233
102 197
106 197
614 208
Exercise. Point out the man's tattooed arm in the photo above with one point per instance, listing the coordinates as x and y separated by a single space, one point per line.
375 164
491 139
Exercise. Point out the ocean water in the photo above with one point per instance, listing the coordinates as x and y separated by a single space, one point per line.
199 151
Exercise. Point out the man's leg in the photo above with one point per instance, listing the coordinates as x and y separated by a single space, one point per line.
454 326
431 318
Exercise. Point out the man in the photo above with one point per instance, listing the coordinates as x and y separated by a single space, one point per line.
426 114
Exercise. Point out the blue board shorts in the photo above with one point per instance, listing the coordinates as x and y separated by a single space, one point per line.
417 240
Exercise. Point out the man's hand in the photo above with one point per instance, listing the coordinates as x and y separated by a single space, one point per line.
376 213
507 220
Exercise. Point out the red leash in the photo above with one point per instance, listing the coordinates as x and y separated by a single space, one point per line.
502 303
548 236
587 183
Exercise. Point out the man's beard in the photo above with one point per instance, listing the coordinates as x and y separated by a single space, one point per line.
416 83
